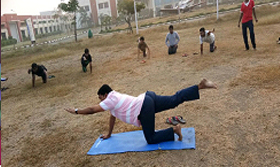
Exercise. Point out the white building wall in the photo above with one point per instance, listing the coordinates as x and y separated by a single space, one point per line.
104 11
83 3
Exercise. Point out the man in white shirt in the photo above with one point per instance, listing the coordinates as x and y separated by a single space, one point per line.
209 37
172 39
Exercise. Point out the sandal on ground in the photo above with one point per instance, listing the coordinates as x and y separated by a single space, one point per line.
179 119
172 121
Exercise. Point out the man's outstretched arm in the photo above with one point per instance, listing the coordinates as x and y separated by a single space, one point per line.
89 110
33 80
90 66
111 127
201 48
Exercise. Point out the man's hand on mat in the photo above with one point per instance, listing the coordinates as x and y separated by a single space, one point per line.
105 136
71 110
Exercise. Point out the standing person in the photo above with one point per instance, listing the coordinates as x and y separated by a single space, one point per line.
209 37
38 70
85 60
247 8
172 39
143 47
141 110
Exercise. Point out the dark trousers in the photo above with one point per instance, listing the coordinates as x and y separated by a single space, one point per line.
84 65
172 49
249 25
153 104
212 47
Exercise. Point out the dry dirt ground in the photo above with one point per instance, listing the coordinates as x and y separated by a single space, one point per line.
236 125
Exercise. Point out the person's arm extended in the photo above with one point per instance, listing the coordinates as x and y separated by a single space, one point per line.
33 80
90 66
240 18
211 31
201 48
254 13
46 75
111 127
90 110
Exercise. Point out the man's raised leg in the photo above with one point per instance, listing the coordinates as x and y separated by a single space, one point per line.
192 93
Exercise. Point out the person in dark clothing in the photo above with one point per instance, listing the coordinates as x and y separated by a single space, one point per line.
38 70
85 60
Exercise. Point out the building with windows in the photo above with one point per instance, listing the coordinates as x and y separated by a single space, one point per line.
14 25
96 8
156 5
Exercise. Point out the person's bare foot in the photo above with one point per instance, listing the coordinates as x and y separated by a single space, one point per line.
205 84
177 130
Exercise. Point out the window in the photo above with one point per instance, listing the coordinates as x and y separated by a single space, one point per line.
100 6
46 30
2 26
50 29
36 31
57 28
65 26
23 24
34 22
23 33
103 5
54 28
41 30
87 8
3 35
106 5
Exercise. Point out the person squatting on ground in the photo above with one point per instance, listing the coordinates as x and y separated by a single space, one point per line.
38 70
85 60
172 39
247 8
141 110
143 47
207 36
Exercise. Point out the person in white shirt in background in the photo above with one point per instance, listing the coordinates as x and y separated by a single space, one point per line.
209 37
172 39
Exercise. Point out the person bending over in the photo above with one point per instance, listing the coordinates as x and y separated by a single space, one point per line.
141 110
38 70
209 37
85 60
143 47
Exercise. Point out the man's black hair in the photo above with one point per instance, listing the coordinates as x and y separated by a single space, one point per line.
86 50
104 89
142 38
202 29
171 26
34 65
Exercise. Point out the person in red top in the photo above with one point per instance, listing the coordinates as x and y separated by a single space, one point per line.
247 8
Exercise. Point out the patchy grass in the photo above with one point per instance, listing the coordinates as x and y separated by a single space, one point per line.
236 124
260 77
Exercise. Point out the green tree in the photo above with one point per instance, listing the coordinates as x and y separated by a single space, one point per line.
71 7
126 7
107 21
84 18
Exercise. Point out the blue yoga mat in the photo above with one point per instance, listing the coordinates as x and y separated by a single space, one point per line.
135 141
